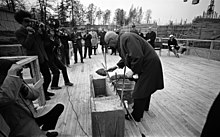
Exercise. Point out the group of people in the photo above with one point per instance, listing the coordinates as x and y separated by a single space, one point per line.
92 38
16 107
150 37
17 112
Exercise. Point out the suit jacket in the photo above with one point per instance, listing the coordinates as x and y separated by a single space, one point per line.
76 38
17 108
152 36
87 38
138 55
33 44
102 38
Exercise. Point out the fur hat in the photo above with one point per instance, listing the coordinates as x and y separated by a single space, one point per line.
20 15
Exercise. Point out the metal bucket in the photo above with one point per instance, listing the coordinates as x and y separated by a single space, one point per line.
128 89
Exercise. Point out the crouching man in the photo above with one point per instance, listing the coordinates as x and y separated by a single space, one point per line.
16 105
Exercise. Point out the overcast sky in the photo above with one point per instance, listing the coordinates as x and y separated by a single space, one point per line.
162 10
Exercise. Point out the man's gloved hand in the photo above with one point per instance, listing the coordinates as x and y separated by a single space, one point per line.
129 74
134 78
112 69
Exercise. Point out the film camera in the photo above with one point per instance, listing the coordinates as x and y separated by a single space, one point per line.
53 23
35 24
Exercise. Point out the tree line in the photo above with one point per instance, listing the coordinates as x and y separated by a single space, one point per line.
73 12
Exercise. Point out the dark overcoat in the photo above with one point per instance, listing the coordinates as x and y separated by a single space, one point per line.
141 58
33 43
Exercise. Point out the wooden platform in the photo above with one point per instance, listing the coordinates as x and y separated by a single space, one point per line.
180 109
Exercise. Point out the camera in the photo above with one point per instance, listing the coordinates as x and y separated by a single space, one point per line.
35 24
53 23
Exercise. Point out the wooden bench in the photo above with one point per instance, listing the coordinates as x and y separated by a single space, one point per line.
36 75
166 45
158 46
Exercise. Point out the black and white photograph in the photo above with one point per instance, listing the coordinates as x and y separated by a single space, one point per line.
109 68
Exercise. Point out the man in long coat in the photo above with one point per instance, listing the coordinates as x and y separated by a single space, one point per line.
77 45
94 39
138 55
32 41
151 37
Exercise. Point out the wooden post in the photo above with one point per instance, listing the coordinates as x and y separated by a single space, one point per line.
108 117
35 71
210 49
187 47
37 76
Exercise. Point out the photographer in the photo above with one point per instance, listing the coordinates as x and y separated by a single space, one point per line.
16 105
52 42
64 38
30 36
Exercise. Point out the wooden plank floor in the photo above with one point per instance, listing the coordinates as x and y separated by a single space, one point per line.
180 109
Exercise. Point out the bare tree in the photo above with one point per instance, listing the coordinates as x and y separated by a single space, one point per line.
120 17
148 16
132 14
62 14
99 15
91 16
139 15
14 5
106 17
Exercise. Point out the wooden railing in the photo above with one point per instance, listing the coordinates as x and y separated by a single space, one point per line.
36 78
209 49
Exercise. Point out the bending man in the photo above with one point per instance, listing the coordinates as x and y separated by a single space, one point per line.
138 55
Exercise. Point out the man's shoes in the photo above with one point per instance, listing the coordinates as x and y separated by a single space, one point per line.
69 84
56 88
49 94
47 97
52 134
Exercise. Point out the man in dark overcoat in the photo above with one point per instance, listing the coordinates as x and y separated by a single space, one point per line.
138 55
88 45
76 38
102 41
151 37
32 41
